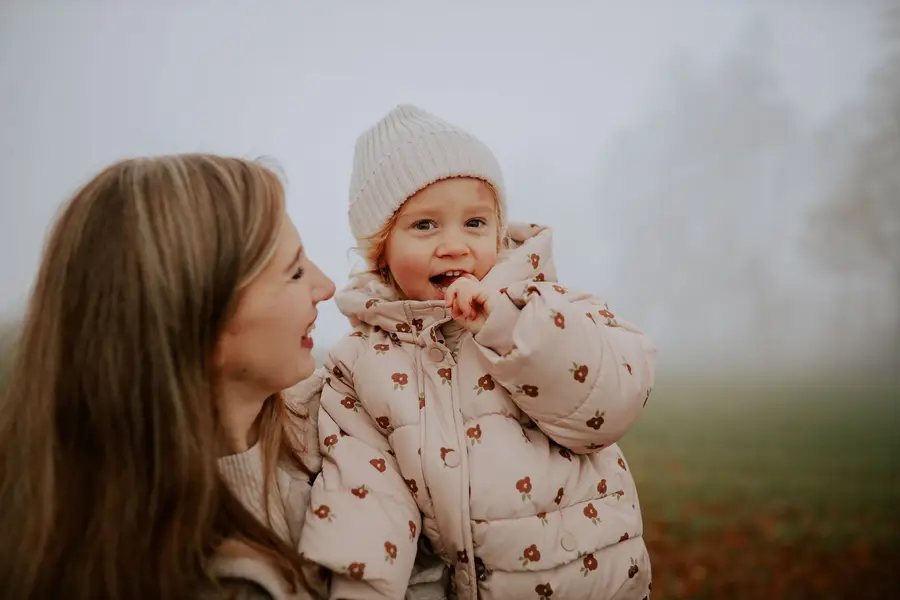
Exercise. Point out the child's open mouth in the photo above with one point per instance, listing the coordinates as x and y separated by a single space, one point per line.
443 280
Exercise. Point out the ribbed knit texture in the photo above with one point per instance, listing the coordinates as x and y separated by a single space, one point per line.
244 475
405 151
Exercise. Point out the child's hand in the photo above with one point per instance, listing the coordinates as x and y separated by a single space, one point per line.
468 302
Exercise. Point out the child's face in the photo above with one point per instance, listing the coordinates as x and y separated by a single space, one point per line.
450 226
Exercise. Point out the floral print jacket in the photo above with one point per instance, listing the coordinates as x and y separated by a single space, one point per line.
503 453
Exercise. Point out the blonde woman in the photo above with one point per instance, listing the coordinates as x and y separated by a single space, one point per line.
145 448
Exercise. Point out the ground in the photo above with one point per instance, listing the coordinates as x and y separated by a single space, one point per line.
770 492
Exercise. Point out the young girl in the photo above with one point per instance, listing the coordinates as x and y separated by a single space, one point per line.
477 401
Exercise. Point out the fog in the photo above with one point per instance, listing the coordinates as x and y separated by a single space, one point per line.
724 174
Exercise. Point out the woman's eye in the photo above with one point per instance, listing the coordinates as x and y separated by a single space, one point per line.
298 273
476 222
423 225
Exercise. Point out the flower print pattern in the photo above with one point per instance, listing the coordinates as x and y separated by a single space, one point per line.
524 487
485 384
547 372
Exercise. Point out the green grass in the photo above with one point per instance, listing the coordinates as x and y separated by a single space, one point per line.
735 477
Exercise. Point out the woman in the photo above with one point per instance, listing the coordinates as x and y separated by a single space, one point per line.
143 424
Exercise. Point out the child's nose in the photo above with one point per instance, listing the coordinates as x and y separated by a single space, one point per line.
452 244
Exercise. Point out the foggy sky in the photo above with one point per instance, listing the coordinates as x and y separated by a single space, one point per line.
549 90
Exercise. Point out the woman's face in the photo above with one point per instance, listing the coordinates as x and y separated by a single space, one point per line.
267 345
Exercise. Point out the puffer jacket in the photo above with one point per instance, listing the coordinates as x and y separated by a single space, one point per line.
503 453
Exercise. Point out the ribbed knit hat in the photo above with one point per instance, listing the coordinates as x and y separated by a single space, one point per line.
405 151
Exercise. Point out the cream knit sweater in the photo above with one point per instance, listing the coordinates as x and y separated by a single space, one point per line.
249 575
239 566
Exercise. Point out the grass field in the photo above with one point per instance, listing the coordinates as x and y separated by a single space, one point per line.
770 492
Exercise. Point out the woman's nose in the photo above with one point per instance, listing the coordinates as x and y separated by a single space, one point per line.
324 288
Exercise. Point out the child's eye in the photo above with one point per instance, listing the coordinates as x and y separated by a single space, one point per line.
298 273
423 225
476 222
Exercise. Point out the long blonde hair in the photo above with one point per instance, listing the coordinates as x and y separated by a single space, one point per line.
108 429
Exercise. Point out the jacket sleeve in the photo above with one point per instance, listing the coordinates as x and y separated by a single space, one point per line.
580 373
363 524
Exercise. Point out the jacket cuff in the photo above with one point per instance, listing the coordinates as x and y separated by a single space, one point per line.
496 333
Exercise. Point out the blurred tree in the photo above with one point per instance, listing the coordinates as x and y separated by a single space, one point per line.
702 188
857 231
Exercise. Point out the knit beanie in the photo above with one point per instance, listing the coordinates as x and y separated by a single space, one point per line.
405 151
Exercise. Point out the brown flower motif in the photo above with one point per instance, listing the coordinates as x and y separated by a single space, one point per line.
336 371
390 552
633 569
400 380
559 496
379 464
371 302
579 372
530 390
624 537
360 492
384 423
403 328
595 422
524 488
544 591
485 384
474 434
530 555
381 348
601 487
446 375
418 324
621 462
559 319
330 441
323 512
627 367
356 570
421 401
412 530
535 260
590 512
565 454
413 487
591 317
588 564
559 289
350 403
